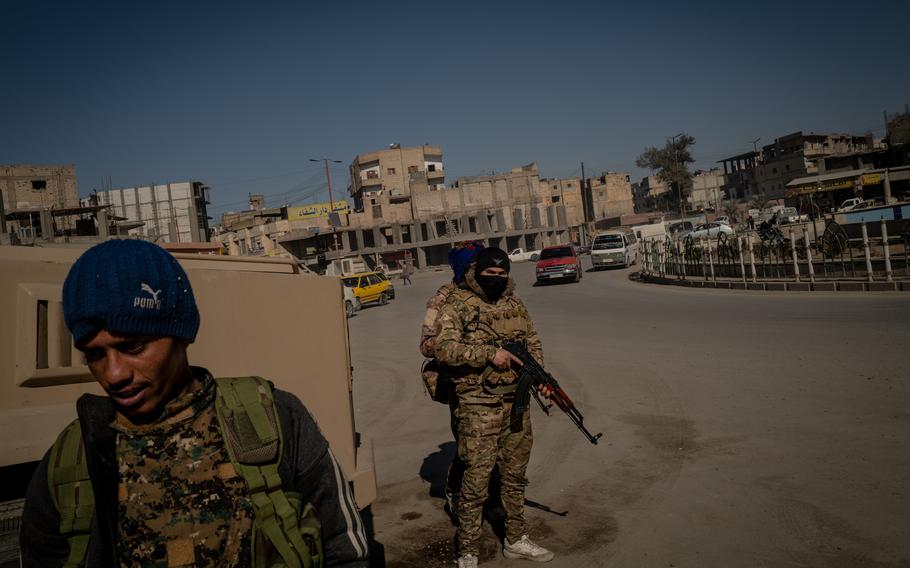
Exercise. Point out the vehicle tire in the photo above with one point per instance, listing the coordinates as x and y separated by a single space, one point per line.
383 299
348 308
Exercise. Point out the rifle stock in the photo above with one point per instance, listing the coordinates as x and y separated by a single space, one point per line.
532 375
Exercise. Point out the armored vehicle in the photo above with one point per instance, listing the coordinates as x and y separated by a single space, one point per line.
259 317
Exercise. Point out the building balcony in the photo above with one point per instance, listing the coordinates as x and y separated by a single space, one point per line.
369 181
439 173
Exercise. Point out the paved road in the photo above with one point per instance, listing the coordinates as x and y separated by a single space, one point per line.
740 428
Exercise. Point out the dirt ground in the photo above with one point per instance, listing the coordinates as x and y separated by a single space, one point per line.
740 428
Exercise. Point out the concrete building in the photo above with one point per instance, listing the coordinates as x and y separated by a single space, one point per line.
707 189
898 127
611 196
169 213
563 198
28 186
425 219
650 193
882 175
415 216
796 155
739 175
27 190
393 175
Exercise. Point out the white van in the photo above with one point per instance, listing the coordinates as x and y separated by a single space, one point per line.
643 232
614 248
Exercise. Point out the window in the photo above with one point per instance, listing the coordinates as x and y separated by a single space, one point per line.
373 279
554 199
560 252
431 168
607 242
569 184
372 174
39 184
391 171
412 169
349 282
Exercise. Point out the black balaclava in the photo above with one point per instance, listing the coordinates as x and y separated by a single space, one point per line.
493 286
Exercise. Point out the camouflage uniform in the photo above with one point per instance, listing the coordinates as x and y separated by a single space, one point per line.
180 501
486 435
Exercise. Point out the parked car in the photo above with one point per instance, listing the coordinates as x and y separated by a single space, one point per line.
723 220
521 255
385 276
791 215
679 229
710 230
614 248
369 288
849 204
558 262
351 301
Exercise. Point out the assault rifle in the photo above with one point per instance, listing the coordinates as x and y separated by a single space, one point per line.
533 375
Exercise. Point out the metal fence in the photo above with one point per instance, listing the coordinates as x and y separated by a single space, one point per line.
788 253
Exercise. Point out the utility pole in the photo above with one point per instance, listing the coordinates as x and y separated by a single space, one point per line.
328 179
585 199
682 208
754 147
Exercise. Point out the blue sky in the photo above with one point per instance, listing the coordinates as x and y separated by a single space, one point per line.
241 94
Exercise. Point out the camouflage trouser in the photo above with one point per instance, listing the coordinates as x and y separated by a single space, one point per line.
457 468
485 436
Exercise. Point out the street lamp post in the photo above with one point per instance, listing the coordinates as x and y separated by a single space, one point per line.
328 179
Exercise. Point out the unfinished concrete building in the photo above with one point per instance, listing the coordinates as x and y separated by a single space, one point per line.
611 196
167 213
27 190
424 219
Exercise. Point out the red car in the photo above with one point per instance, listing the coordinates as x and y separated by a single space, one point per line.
558 263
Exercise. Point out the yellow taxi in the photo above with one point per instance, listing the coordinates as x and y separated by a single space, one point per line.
370 287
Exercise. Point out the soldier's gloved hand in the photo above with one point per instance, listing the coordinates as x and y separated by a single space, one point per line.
503 359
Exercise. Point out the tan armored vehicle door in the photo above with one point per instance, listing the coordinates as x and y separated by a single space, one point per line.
259 317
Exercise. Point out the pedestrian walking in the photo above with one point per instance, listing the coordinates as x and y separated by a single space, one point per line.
406 273
481 311
175 467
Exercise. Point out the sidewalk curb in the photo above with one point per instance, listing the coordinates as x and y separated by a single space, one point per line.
776 286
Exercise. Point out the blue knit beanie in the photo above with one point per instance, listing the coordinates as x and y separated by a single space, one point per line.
460 259
129 286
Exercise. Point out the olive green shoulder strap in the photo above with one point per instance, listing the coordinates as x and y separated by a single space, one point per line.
71 491
249 423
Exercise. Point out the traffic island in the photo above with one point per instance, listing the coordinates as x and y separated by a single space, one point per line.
776 285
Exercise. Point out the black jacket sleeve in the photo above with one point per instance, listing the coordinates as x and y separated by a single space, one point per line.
311 470
40 541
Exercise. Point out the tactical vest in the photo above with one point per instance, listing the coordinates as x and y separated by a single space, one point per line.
286 532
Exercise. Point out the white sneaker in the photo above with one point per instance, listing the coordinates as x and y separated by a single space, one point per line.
526 549
467 561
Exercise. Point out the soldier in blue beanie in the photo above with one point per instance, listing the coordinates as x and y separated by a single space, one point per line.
153 474
460 258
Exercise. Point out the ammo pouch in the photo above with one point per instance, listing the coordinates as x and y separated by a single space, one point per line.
286 532
498 382
437 381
